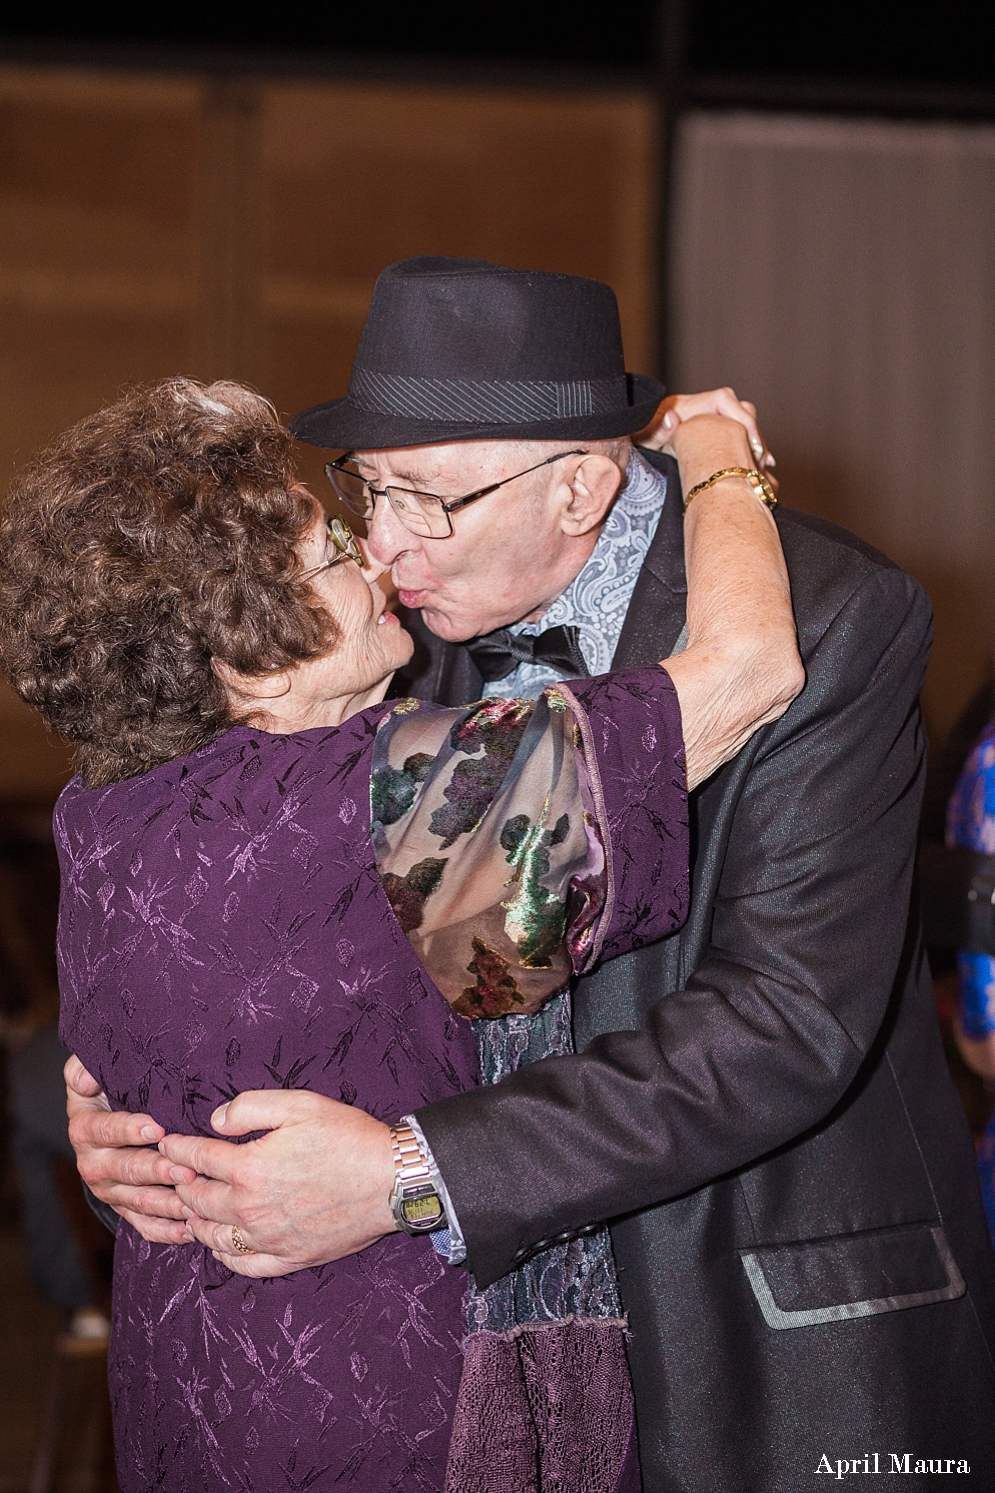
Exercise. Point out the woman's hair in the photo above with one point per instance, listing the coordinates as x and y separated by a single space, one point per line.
150 539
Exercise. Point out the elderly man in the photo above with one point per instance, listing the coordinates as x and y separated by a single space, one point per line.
760 1103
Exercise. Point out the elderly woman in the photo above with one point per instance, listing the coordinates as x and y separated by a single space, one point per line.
271 878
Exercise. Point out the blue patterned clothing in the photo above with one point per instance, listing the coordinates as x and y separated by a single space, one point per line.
971 825
598 598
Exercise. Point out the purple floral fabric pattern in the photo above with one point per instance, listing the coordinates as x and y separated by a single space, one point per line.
642 801
223 927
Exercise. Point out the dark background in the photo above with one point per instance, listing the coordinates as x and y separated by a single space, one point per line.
883 41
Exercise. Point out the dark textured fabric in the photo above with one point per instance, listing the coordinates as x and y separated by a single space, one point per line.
459 349
770 1075
483 400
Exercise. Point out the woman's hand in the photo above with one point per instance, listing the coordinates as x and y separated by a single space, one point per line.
679 407
116 1158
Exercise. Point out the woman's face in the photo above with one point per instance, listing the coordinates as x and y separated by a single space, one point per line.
371 642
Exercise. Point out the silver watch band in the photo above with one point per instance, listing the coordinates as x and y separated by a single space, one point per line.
416 1199
409 1163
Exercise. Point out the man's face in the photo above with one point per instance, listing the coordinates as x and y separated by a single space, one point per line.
509 555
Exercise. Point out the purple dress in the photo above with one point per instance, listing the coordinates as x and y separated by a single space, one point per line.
225 925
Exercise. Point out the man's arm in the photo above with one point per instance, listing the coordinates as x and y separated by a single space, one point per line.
768 1034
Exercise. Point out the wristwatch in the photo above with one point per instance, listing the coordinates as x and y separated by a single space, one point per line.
416 1200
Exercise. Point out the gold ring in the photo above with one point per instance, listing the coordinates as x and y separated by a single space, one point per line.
239 1242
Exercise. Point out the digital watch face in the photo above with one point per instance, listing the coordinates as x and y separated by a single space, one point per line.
422 1211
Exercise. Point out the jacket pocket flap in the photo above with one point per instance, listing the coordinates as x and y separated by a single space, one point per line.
855 1275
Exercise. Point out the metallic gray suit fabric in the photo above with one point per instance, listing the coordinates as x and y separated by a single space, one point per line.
765 1091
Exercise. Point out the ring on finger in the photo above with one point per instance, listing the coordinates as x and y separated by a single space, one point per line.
238 1242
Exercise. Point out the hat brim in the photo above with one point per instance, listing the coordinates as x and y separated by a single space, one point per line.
341 425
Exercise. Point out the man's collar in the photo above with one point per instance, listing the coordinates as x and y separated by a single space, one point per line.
634 511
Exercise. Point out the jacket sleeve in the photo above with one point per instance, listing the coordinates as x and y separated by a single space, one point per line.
809 911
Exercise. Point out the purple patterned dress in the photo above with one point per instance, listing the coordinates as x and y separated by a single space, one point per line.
228 922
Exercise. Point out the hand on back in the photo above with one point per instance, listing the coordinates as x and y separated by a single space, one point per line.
117 1159
313 1188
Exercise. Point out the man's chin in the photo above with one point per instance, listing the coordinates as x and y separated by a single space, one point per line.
450 629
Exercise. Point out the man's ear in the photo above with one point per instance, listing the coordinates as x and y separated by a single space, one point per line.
588 494
252 689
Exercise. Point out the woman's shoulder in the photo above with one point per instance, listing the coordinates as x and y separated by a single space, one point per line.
225 769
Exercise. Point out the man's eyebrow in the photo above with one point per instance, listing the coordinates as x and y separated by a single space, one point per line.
407 476
399 473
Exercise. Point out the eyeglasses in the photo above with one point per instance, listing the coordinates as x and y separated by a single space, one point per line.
340 539
423 513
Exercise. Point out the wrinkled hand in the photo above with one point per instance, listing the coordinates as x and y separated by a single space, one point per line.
115 1160
314 1188
679 407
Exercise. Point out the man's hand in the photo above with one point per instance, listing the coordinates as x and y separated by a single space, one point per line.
681 407
115 1160
314 1188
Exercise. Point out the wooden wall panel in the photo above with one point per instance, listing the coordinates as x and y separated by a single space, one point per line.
354 178
98 225
841 274
235 228
99 210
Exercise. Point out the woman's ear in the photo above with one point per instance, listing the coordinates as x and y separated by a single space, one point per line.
589 494
251 689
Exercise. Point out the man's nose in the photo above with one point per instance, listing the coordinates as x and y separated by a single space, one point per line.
386 537
372 568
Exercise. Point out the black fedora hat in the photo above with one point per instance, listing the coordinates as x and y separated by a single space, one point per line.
463 350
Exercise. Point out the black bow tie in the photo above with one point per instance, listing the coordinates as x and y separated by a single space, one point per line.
497 653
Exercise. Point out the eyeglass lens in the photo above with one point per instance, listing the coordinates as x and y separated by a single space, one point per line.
420 513
350 489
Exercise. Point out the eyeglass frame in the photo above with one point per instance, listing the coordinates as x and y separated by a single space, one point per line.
344 540
447 506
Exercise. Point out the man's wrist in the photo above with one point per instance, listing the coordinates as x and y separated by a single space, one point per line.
415 1198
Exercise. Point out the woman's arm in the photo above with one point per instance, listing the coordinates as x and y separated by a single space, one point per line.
741 667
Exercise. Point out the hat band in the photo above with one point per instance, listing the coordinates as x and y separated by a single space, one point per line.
485 401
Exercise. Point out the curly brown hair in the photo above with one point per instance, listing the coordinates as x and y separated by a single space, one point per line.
150 539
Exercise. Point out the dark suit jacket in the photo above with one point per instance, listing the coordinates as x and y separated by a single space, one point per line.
760 1103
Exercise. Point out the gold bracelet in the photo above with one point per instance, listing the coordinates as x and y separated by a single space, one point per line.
756 479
